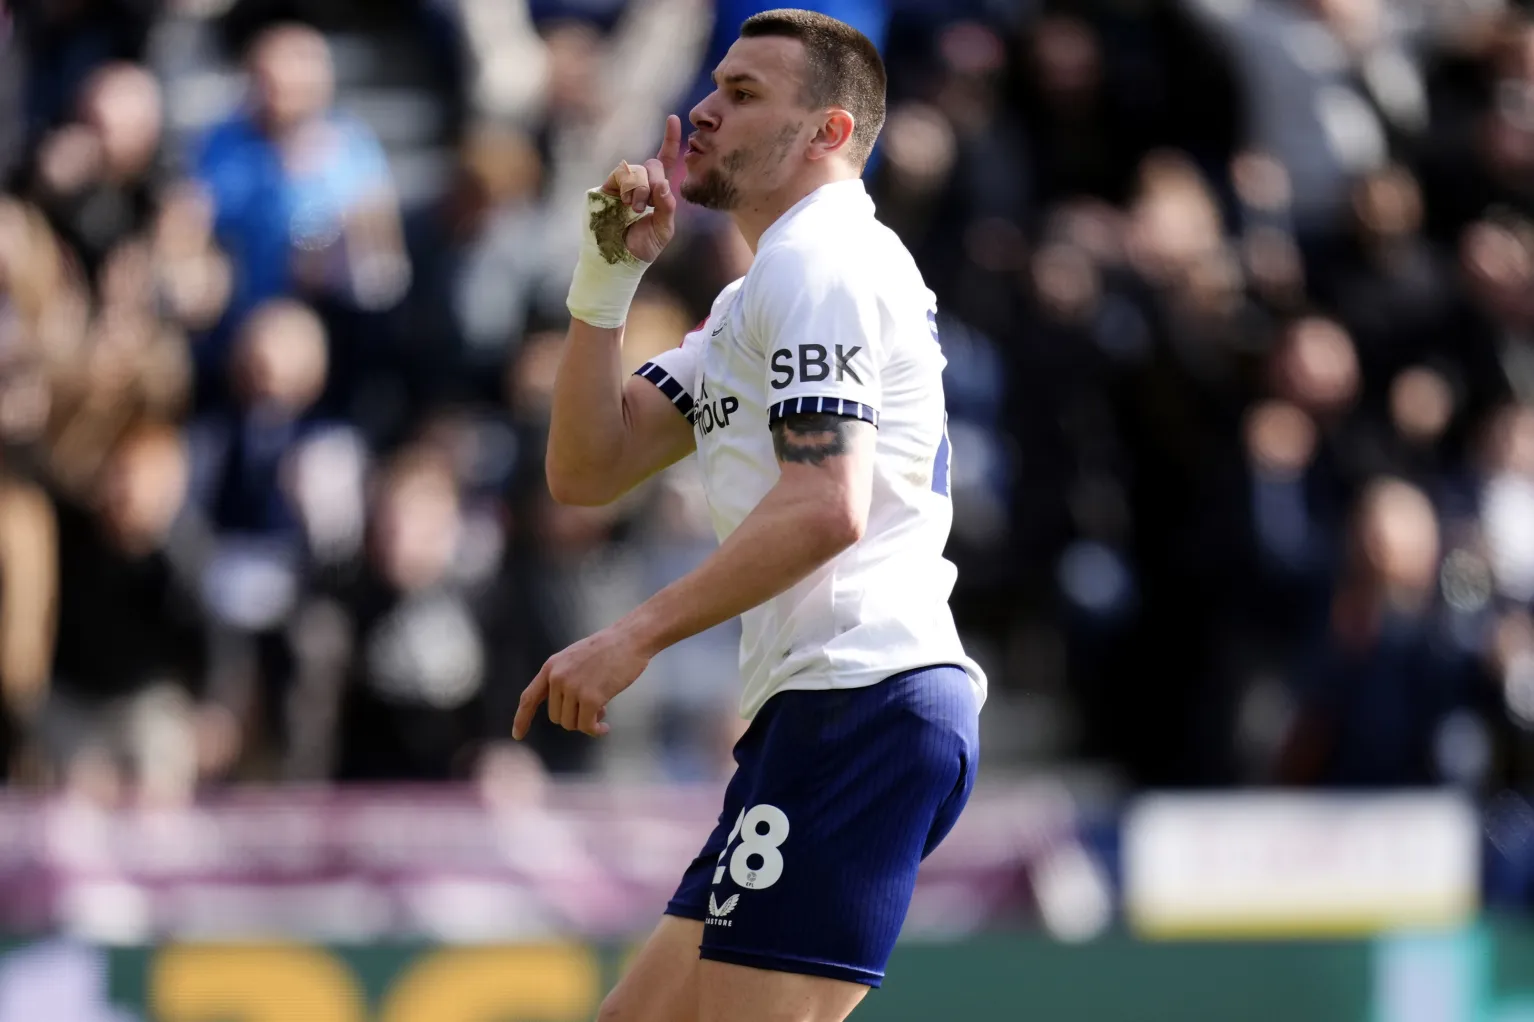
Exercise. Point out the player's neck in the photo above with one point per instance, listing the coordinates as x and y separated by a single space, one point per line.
754 217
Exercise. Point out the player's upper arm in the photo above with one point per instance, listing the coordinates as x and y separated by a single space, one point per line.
819 322
657 423
827 460
659 429
657 432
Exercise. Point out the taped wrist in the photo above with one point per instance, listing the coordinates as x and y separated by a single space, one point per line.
606 274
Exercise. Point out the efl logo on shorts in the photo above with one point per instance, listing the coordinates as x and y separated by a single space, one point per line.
717 912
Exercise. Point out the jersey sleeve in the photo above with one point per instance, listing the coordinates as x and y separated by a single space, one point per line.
675 372
819 327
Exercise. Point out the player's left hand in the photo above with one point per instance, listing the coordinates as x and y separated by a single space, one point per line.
579 682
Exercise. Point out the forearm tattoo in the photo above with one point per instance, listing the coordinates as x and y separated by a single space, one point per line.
811 437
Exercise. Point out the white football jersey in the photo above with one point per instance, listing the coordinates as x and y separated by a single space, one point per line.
833 316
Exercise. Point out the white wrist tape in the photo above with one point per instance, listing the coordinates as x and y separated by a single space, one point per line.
607 273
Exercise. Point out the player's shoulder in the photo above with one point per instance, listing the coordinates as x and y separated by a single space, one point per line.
834 275
719 313
726 296
724 302
861 255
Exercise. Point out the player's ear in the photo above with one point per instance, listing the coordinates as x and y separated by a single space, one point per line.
834 135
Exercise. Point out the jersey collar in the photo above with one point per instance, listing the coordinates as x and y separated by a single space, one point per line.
850 195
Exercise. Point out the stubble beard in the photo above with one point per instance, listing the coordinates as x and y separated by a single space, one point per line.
716 189
711 191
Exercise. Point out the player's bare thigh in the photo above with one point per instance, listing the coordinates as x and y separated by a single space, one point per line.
735 993
661 983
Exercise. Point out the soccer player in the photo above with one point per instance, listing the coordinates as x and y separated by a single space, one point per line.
813 397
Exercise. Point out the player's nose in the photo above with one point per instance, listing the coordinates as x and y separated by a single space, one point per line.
703 117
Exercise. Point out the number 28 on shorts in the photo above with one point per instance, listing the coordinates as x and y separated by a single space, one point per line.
761 829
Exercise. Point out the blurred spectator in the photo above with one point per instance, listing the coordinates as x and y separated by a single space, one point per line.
1422 405
278 371
920 148
1334 89
1315 365
508 63
1497 268
302 194
28 596
95 177
1282 579
121 714
1087 141
1484 151
1292 518
1264 221
1506 503
192 277
1388 284
130 365
1174 222
1387 677
36 283
1499 576
420 656
477 256
12 118
43 314
958 182
257 469
64 40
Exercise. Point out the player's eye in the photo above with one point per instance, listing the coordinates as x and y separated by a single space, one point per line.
741 95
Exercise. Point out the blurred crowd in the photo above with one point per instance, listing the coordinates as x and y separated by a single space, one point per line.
1237 298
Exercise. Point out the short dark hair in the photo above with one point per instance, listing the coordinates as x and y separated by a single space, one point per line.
841 68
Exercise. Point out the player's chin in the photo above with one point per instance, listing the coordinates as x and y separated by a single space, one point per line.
708 191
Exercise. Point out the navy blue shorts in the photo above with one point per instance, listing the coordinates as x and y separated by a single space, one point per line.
837 798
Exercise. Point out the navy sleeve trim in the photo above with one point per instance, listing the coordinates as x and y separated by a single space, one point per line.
669 386
823 406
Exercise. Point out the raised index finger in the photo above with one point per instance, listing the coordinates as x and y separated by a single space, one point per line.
532 696
671 145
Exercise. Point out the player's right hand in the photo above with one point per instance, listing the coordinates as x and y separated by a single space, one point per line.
642 186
